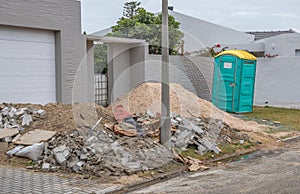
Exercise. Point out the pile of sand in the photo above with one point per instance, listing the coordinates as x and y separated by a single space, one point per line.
147 96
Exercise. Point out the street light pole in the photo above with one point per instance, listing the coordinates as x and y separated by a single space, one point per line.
165 132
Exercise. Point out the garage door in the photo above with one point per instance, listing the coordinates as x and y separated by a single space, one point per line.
27 65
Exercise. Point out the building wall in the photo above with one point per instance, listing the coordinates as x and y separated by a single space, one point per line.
64 18
179 73
126 63
283 45
277 82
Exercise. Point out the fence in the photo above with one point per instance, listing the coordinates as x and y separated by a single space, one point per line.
101 89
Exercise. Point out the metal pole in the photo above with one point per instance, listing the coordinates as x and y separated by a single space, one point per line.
165 132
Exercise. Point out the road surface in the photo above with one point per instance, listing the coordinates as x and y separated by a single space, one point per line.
267 172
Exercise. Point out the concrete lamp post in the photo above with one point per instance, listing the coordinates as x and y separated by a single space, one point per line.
165 132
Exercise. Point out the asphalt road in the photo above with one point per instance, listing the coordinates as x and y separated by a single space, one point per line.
265 172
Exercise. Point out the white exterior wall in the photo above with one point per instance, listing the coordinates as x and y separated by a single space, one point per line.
277 82
282 45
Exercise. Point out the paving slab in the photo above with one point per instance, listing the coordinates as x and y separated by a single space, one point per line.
17 180
35 136
8 132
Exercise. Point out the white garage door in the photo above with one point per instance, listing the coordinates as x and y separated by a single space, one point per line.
27 65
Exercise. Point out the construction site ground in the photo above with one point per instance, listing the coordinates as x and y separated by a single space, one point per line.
64 119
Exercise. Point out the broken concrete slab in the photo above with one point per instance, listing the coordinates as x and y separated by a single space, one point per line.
192 126
183 139
210 146
60 158
46 167
41 112
26 120
8 132
3 146
60 148
12 112
78 166
8 139
32 152
35 136
14 150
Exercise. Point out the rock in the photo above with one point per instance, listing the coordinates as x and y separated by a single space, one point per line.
5 111
179 119
173 139
242 142
41 112
192 126
59 149
83 157
140 120
210 146
14 150
8 139
78 166
150 113
174 122
91 140
73 162
26 120
54 169
33 152
154 124
20 112
61 154
60 159
12 112
46 167
183 139
66 153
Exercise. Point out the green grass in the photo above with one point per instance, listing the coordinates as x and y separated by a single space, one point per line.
226 149
287 117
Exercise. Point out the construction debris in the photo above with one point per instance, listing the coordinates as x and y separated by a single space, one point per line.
105 143
35 136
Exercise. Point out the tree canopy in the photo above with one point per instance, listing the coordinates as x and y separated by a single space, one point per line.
138 23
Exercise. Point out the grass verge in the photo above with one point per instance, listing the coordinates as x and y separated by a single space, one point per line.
290 118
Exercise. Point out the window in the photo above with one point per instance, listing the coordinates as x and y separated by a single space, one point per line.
297 52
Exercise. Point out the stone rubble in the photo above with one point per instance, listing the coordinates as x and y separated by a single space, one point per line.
124 147
12 123
102 155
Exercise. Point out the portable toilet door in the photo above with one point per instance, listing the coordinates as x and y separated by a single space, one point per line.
234 79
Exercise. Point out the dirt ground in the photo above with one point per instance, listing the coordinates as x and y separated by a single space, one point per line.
66 118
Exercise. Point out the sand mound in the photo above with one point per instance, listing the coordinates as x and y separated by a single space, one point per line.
148 96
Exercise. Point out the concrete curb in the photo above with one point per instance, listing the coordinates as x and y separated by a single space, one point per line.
147 183
291 139
174 174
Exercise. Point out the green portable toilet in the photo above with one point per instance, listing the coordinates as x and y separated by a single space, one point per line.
234 79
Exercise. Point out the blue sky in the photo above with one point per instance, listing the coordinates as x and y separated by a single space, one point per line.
240 15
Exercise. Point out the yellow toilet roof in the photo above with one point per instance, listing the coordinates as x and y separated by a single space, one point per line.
239 53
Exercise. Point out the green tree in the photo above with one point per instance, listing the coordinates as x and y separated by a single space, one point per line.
100 57
140 24
131 8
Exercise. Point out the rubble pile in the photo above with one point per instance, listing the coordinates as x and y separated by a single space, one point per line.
205 134
13 121
101 153
147 96
122 139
